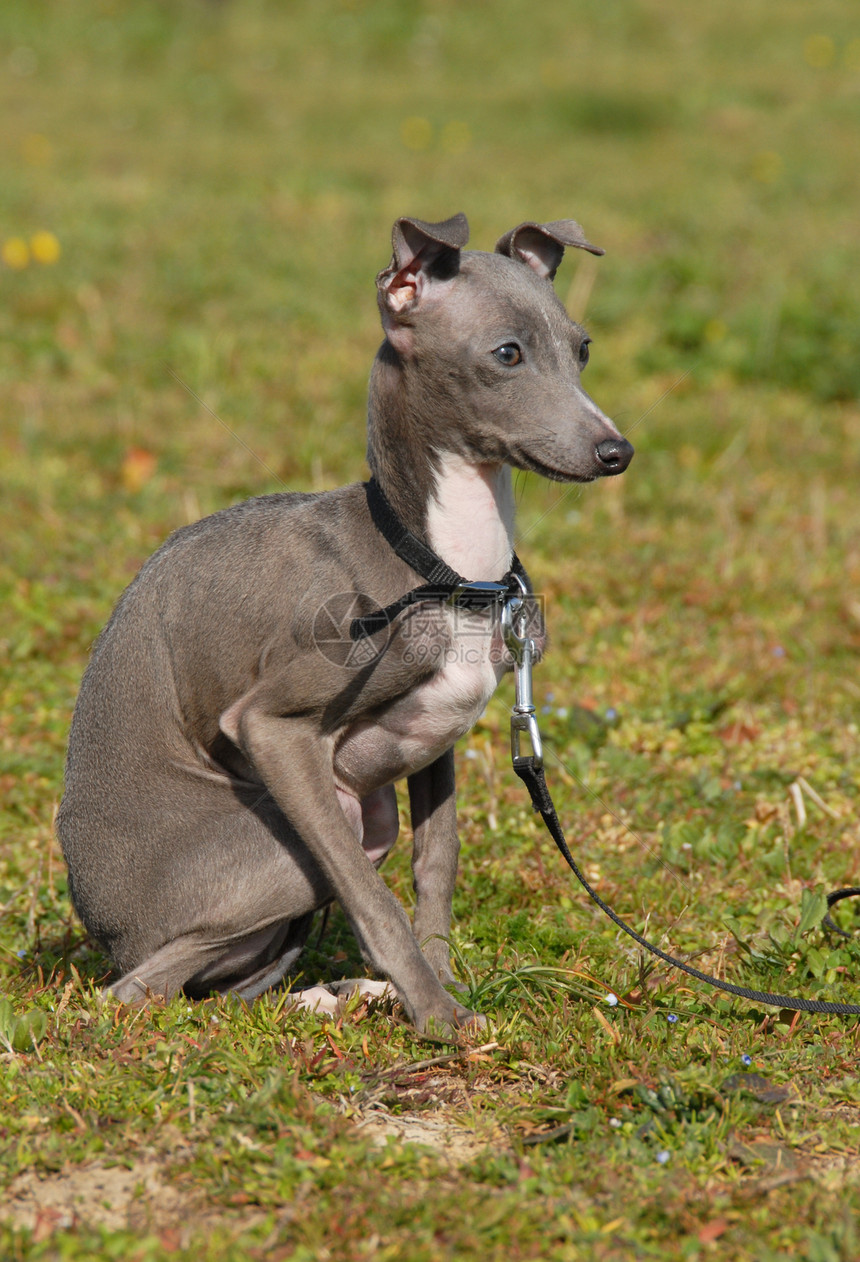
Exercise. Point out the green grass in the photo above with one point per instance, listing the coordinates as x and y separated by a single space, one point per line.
221 179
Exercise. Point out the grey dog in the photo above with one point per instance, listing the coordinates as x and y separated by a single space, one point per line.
231 768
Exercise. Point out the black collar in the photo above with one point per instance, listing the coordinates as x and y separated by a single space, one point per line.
441 581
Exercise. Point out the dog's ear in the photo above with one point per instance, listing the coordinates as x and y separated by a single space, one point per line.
542 245
424 253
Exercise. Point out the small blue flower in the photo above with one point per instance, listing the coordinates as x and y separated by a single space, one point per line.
746 1060
612 1000
671 1017
663 1156
611 714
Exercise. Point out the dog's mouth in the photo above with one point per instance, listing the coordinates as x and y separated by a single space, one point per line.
531 463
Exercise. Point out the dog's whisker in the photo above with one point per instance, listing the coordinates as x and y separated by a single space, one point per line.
657 402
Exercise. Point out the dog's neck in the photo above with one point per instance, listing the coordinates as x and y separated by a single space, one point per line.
470 517
463 509
397 453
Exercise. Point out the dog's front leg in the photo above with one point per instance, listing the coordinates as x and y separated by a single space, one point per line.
295 763
436 846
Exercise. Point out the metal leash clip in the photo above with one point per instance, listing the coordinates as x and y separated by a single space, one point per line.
481 595
522 649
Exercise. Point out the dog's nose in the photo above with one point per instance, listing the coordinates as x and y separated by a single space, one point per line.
614 454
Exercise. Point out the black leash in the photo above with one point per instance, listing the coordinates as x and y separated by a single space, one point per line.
535 781
835 897
445 584
529 767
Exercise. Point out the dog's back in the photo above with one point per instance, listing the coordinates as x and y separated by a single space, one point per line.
146 755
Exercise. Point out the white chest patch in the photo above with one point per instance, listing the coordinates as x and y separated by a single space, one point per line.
470 525
419 727
470 520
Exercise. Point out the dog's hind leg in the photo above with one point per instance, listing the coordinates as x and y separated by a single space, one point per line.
248 966
256 964
219 957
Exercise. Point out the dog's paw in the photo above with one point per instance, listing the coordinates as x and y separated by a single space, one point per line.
331 997
314 999
363 986
453 1024
468 1020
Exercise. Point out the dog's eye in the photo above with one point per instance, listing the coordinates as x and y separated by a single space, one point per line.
509 354
583 351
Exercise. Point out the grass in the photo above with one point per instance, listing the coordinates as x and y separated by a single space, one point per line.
221 180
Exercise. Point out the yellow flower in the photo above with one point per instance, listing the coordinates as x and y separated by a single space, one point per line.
45 247
15 253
